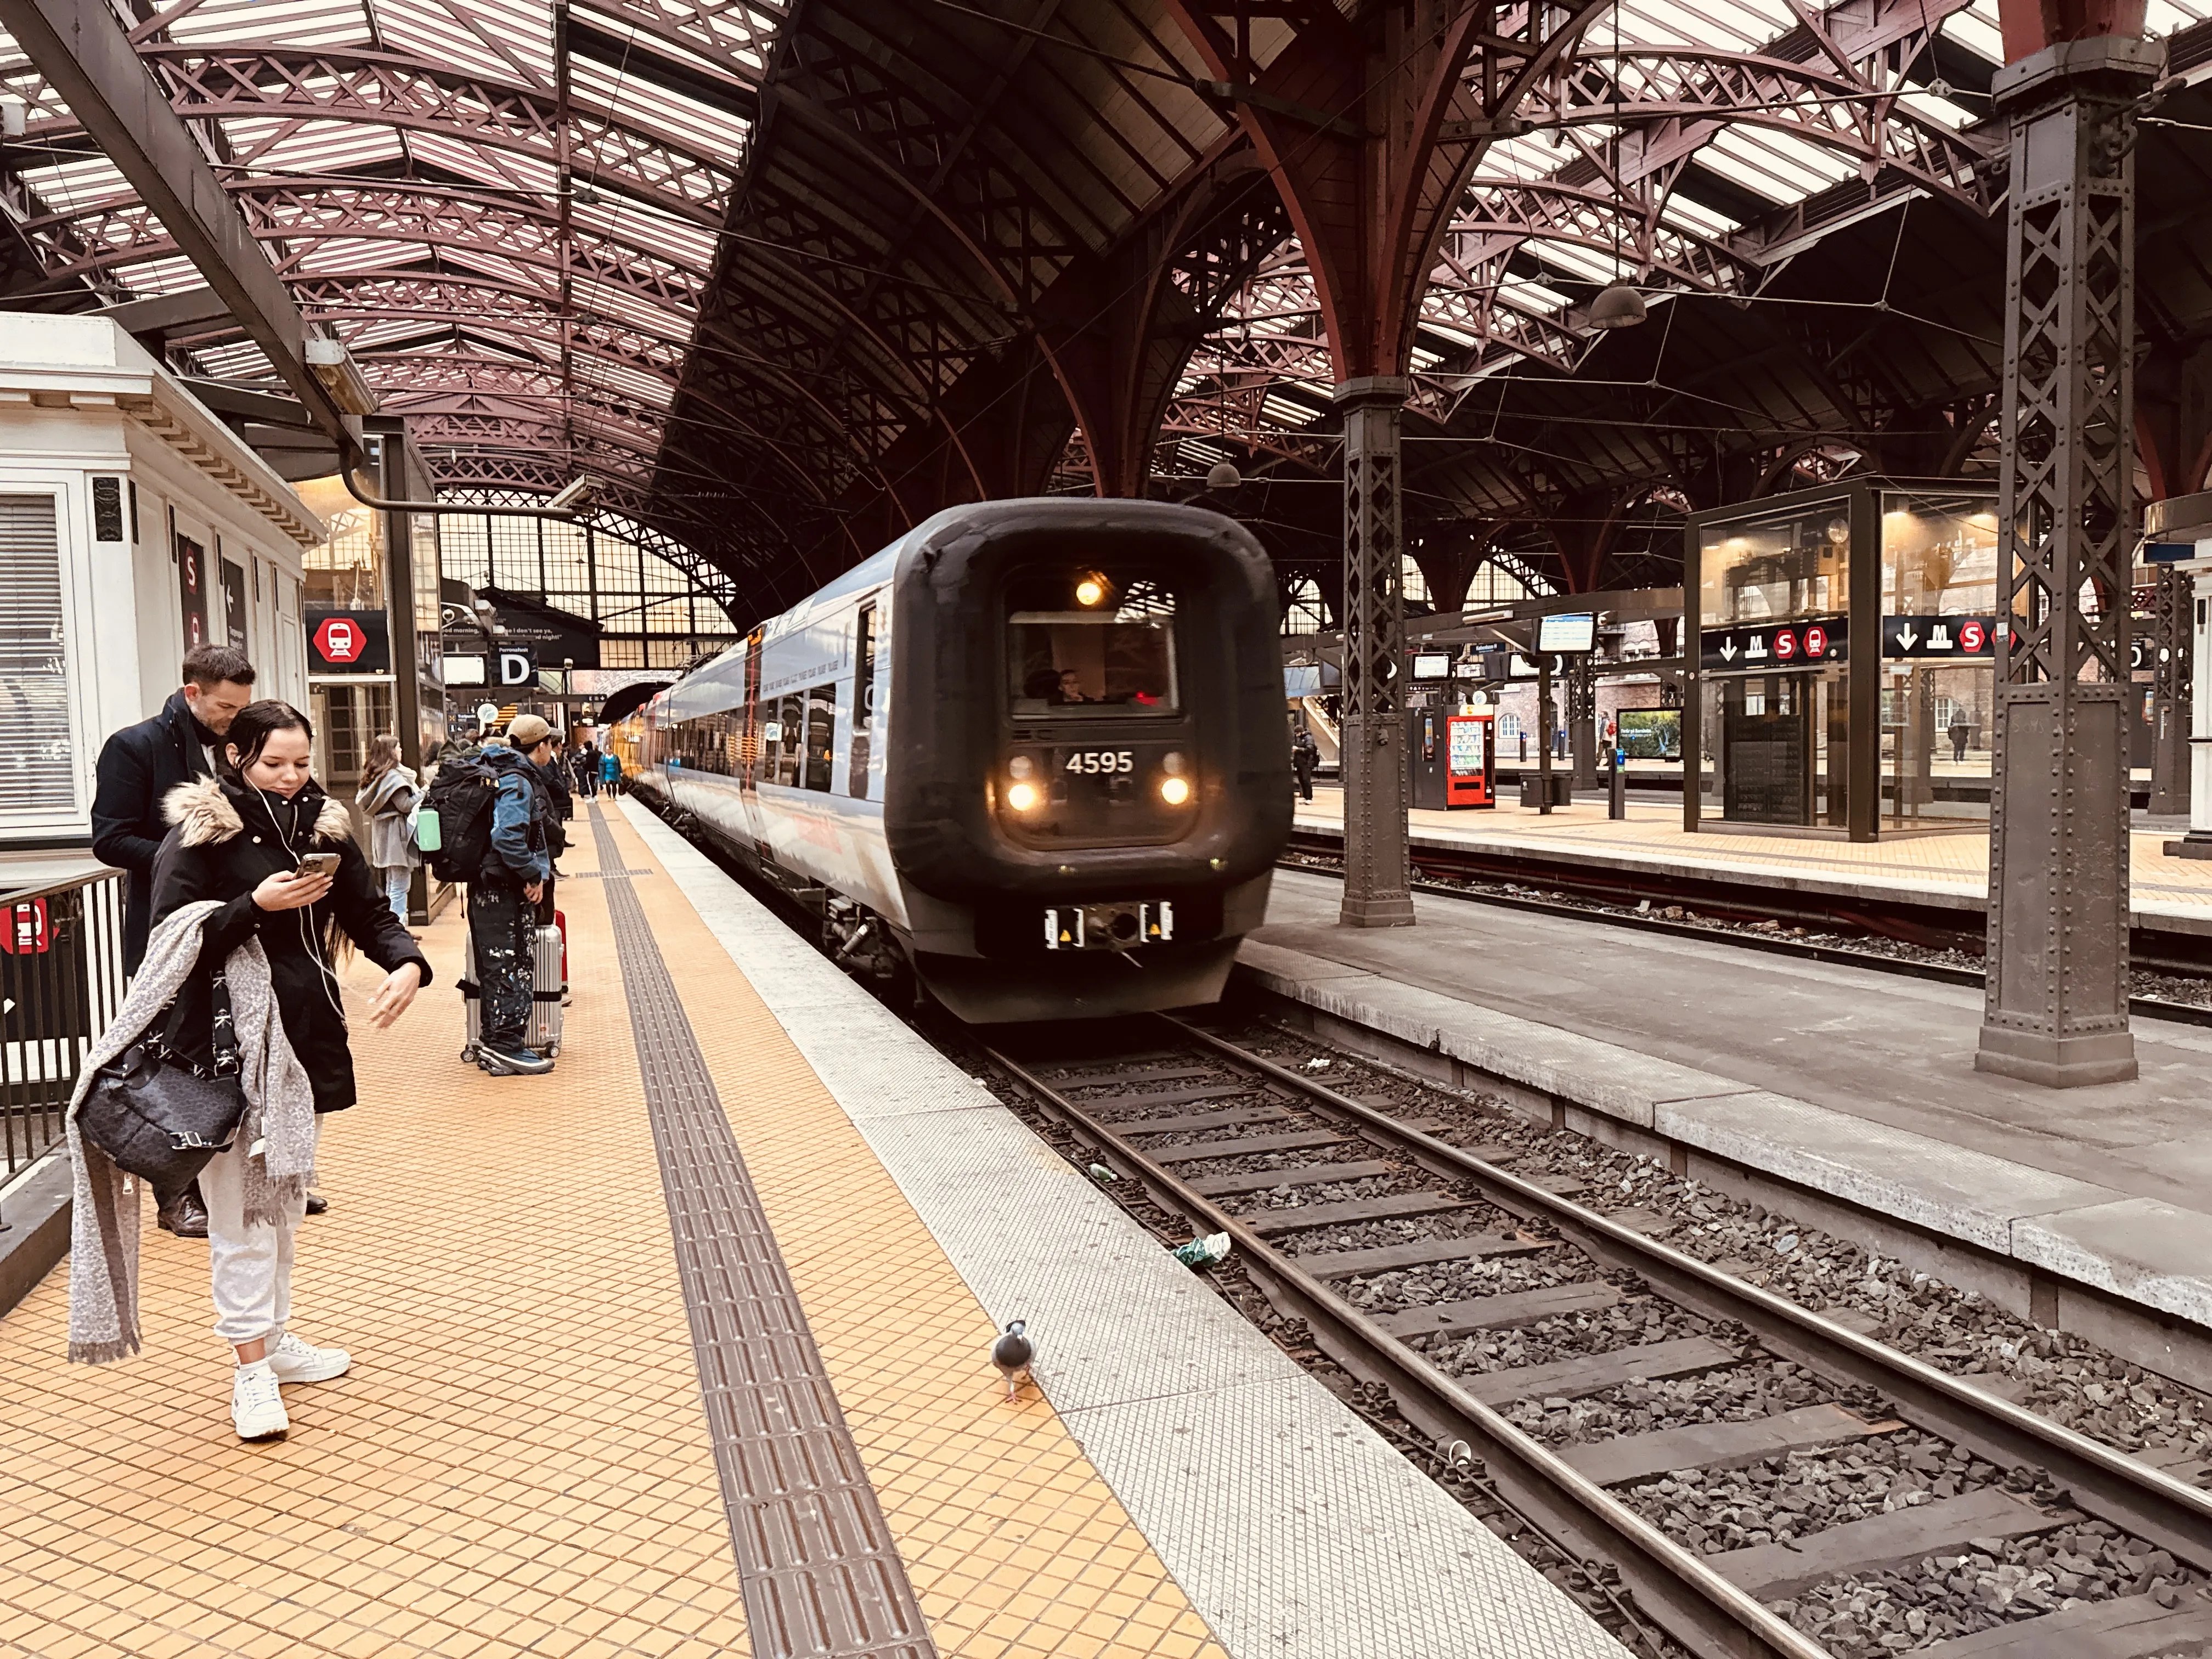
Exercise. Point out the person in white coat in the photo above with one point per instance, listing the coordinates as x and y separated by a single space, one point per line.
386 798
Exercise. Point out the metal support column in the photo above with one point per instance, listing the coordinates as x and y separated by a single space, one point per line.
1581 720
2171 655
2197 843
2056 1011
1377 889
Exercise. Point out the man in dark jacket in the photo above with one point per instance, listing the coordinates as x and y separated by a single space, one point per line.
1305 755
138 767
503 899
140 764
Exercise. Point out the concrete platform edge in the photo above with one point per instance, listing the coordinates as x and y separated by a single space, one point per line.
35 1206
2056 1234
1292 1526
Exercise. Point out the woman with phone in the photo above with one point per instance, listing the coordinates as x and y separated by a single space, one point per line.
278 857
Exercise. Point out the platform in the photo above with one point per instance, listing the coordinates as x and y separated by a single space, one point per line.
1948 868
743 1170
1837 1082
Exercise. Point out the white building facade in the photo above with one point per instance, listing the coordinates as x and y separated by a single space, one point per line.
133 524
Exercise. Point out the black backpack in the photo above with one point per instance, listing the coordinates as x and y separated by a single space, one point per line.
462 796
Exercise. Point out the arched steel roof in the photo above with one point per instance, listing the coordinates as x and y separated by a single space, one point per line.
783 278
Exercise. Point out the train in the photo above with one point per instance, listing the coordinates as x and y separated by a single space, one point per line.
1029 754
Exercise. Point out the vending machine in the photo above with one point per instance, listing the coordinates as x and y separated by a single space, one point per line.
1470 760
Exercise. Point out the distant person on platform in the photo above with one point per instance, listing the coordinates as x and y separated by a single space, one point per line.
387 796
584 763
610 771
1305 755
138 767
504 895
1961 733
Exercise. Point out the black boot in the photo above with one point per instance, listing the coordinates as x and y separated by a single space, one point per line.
185 1215
317 1204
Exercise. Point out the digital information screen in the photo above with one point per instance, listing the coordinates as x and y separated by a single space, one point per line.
1432 667
1576 631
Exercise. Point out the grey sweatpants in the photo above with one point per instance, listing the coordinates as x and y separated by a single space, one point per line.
249 1268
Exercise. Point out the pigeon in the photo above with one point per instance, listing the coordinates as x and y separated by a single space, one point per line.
1011 1354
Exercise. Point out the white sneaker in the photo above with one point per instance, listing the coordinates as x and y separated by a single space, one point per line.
256 1407
294 1361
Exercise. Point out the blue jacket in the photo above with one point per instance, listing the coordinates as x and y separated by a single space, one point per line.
518 840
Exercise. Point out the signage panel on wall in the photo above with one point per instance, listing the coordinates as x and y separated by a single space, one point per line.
1939 636
465 671
1769 648
233 606
347 642
191 590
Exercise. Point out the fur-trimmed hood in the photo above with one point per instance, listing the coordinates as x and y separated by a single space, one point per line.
205 811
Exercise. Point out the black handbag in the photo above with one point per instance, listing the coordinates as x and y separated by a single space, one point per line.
157 1118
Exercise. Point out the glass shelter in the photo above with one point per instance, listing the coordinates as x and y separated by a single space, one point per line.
1843 676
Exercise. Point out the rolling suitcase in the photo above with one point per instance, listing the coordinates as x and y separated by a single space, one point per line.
550 960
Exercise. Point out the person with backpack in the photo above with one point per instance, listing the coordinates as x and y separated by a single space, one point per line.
1305 755
492 811
386 798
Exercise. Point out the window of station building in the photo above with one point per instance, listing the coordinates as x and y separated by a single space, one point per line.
1758 571
1089 644
648 610
1304 611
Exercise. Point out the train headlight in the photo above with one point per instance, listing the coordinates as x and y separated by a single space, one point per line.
1174 791
1090 591
1173 764
1022 797
1022 766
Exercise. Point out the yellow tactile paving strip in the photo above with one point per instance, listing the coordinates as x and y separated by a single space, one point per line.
1960 859
1015 1545
518 1462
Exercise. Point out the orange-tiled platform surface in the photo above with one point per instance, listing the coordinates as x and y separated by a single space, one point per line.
518 1462
1956 862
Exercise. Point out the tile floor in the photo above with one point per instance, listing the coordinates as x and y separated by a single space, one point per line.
518 1462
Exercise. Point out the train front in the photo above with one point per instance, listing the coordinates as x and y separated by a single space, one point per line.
1090 782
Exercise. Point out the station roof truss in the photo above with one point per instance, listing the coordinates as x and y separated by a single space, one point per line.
783 277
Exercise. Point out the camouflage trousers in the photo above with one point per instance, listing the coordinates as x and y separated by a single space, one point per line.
502 926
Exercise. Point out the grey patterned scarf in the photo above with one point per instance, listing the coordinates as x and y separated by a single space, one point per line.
279 1125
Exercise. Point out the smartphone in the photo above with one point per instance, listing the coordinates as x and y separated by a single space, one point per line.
318 864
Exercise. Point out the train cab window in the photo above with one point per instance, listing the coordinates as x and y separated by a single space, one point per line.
1089 643
821 732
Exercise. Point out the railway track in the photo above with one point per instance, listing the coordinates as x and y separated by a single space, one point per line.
1727 914
1493 1308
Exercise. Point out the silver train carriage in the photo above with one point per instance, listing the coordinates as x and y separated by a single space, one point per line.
1033 749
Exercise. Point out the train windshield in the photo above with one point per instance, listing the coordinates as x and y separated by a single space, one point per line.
1087 643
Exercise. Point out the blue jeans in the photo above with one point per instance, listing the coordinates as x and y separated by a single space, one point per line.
396 884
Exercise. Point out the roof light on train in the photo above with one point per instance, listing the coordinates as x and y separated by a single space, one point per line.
1090 591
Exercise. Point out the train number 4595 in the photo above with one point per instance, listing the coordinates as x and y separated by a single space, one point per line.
1102 759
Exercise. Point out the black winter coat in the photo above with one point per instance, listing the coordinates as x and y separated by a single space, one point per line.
227 837
138 767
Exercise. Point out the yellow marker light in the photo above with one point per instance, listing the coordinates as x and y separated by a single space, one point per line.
1174 791
1090 591
1022 797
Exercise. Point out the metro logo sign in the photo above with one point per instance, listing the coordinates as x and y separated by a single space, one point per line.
347 642
340 641
27 929
1767 647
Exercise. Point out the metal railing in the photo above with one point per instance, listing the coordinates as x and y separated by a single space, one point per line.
60 982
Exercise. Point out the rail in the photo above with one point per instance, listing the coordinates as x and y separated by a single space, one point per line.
60 982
